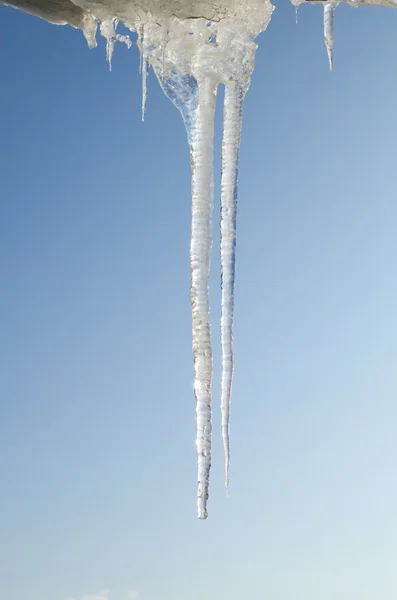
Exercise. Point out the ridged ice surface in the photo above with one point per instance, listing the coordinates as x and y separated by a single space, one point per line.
198 56
201 147
195 99
232 117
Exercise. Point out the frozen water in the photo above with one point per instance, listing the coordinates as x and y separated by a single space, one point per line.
329 15
197 56
329 12
193 46
233 111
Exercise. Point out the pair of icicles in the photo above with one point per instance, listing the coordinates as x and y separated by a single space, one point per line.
329 15
198 113
201 146
201 143
197 105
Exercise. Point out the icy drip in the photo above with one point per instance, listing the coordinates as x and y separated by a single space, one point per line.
329 14
233 110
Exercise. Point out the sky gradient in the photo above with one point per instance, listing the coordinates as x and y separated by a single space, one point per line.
97 422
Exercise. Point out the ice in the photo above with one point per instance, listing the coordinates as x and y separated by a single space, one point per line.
195 99
329 13
233 111
201 148
108 31
193 47
144 69
190 58
198 56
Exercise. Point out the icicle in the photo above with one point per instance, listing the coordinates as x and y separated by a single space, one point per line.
109 52
233 110
140 46
144 66
108 31
164 40
329 12
196 103
296 13
194 66
144 87
201 137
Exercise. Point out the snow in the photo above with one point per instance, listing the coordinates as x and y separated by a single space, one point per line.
193 46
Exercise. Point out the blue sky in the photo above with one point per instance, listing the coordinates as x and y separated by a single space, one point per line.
97 427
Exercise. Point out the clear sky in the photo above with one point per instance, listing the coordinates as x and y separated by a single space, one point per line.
97 423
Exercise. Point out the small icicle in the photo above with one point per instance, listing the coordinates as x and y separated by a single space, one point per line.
144 67
109 51
144 87
108 32
140 46
329 12
163 45
296 13
233 110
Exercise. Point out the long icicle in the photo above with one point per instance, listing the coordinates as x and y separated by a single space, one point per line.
144 67
329 13
233 109
201 147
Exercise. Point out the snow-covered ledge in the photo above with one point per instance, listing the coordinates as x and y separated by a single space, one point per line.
59 12
66 12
